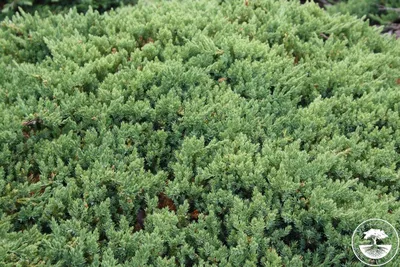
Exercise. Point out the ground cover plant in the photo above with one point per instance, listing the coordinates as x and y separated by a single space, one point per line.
208 133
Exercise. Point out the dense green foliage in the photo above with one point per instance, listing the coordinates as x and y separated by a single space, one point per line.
224 133
9 7
378 11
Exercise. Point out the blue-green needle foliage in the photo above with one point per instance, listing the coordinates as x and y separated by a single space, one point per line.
195 133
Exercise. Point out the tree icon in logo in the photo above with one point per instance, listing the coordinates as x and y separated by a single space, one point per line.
375 242
375 251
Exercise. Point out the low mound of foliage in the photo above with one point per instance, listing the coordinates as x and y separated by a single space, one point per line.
208 133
